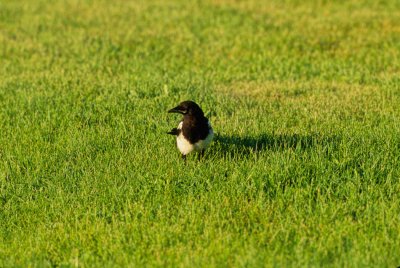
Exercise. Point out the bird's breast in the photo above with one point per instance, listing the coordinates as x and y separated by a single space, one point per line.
186 147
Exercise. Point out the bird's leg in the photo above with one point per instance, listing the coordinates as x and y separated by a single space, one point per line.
184 158
201 154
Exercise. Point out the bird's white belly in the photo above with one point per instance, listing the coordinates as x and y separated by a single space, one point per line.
186 147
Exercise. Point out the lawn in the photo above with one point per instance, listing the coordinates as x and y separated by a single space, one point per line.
304 98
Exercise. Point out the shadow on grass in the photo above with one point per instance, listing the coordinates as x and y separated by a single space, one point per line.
237 145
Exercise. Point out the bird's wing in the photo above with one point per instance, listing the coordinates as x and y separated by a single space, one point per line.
174 131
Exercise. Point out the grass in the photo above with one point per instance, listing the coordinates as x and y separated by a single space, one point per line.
304 98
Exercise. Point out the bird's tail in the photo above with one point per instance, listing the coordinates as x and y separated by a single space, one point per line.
174 131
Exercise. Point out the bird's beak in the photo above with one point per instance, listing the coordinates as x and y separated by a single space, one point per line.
177 109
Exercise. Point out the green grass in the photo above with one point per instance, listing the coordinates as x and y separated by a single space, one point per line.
304 98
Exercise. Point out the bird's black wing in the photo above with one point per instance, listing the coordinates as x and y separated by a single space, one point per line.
195 129
174 131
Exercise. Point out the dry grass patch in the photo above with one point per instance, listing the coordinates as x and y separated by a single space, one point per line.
317 101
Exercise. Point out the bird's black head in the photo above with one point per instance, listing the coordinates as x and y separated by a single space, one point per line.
187 108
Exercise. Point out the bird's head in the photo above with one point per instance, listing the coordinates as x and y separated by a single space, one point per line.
187 108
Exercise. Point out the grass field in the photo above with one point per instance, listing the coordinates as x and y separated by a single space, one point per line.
304 97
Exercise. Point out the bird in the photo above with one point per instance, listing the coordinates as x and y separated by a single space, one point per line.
194 132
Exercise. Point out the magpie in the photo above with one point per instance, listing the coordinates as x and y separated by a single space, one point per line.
194 132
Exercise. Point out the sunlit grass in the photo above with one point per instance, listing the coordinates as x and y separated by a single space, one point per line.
303 96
